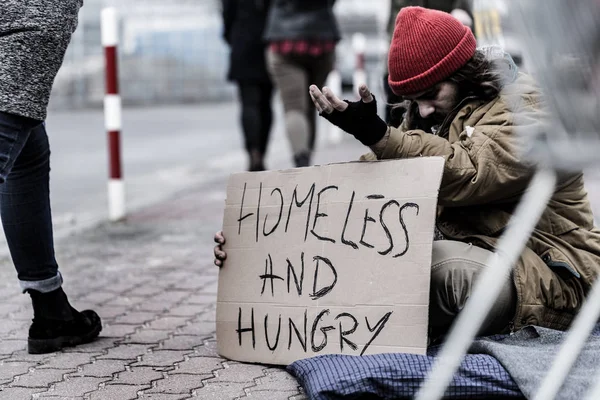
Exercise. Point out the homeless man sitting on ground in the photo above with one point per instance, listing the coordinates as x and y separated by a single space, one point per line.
462 110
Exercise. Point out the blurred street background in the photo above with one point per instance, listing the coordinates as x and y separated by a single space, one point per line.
151 278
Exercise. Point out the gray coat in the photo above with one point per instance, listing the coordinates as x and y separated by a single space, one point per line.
34 36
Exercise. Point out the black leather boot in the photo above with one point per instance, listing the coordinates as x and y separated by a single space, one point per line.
57 325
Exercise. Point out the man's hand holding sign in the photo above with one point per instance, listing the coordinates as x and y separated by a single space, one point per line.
331 259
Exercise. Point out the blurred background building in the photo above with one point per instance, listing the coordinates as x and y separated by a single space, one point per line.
172 52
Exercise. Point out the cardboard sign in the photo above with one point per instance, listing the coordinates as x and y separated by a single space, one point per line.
330 259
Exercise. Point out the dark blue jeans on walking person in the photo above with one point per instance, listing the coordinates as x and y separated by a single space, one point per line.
27 223
25 201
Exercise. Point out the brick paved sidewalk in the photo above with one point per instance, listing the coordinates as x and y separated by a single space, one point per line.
152 281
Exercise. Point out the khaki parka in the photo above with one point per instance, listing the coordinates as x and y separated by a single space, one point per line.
483 181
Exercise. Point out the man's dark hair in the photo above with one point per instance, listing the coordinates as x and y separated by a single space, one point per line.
480 78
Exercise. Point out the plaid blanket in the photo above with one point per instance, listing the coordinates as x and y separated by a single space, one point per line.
399 376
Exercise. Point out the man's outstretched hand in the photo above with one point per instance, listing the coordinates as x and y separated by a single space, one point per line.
358 118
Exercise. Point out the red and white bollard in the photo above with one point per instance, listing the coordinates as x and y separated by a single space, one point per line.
112 115
359 45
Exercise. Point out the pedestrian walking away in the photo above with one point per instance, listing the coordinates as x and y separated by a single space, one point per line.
302 36
35 35
244 25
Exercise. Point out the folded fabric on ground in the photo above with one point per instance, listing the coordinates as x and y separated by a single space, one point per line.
528 355
499 367
398 376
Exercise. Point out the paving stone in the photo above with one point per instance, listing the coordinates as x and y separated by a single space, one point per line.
163 396
97 297
208 316
146 291
11 346
153 306
125 352
135 318
161 358
107 312
222 390
168 323
201 298
118 330
138 376
101 368
186 310
147 336
40 378
97 346
170 297
277 379
125 301
23 356
209 349
18 393
198 328
9 325
117 392
235 372
74 387
198 365
181 383
8 370
68 361
271 394
181 342
7 308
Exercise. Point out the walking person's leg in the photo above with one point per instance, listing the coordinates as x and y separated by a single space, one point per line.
291 79
27 223
266 108
320 68
455 268
251 119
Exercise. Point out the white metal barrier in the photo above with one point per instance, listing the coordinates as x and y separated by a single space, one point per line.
561 40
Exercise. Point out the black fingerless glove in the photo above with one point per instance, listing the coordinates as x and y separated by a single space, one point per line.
360 119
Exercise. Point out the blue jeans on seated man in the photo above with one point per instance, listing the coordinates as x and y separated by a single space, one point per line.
27 223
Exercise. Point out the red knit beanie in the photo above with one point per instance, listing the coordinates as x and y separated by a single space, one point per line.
427 47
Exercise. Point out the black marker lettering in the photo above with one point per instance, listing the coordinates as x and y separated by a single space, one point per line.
258 211
242 210
321 215
378 327
366 220
348 242
301 339
344 333
325 290
311 194
241 330
292 272
272 348
269 275
280 213
385 228
413 205
324 330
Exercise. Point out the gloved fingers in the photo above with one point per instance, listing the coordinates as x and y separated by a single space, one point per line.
365 94
320 101
338 105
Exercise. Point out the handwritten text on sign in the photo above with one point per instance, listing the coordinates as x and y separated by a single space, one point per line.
331 259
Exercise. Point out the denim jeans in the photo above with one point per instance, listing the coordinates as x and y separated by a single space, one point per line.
25 201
